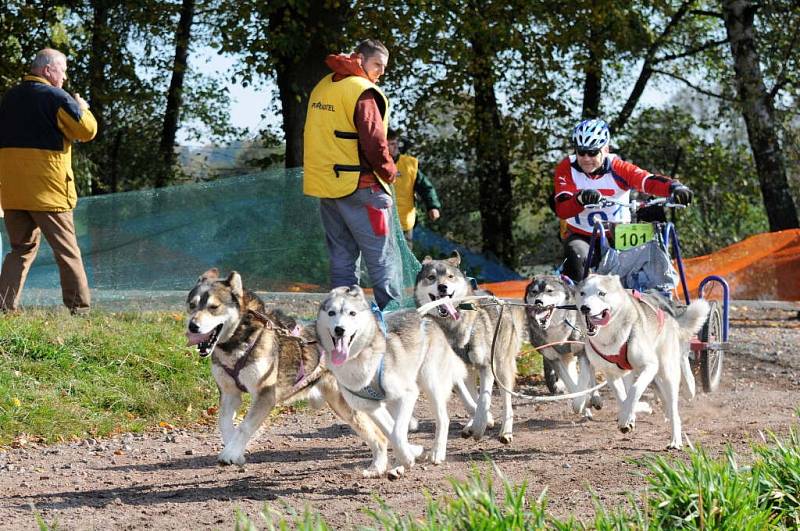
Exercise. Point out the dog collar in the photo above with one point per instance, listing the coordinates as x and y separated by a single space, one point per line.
374 389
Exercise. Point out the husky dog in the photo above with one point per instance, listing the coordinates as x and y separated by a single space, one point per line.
261 353
634 339
381 371
470 333
547 323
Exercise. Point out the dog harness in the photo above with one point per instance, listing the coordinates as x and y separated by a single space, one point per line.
620 359
240 363
374 389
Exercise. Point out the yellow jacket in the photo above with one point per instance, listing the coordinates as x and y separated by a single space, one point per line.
408 167
330 140
38 124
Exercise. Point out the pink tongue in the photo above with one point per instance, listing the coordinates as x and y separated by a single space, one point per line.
451 310
339 352
603 319
193 338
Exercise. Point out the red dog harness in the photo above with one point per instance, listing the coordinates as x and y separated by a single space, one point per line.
620 359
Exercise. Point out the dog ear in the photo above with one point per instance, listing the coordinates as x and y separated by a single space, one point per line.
427 259
235 281
211 274
355 291
455 258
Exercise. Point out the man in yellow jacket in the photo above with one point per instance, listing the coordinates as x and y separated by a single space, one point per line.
411 182
39 121
347 164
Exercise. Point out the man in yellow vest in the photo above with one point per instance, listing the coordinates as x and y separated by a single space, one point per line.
347 164
410 183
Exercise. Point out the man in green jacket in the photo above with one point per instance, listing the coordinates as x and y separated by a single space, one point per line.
39 121
411 182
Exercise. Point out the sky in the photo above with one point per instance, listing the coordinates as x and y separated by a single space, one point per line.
249 103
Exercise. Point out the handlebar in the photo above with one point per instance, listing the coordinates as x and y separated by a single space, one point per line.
635 205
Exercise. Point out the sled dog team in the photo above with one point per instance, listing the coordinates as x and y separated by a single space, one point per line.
371 368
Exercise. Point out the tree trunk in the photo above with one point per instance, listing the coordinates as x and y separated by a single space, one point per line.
758 112
492 165
592 83
97 91
175 94
299 70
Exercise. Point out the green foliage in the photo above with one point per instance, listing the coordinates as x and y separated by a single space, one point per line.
777 472
704 494
718 168
64 377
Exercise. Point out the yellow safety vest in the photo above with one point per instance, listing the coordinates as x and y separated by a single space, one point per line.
330 139
404 190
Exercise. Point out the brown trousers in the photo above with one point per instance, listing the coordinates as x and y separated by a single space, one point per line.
25 229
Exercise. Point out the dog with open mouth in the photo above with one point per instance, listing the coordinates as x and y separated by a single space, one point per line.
382 366
636 339
470 330
264 353
549 322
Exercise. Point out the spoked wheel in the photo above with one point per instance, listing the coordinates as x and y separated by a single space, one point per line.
711 358
550 376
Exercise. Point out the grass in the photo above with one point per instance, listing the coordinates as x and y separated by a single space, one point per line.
63 377
703 493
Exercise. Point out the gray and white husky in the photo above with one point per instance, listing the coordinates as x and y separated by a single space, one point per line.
260 352
635 339
470 332
382 372
549 323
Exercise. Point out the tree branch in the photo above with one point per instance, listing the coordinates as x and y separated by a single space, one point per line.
704 13
690 52
692 85
782 78
647 71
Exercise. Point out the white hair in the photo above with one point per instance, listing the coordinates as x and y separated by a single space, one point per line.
45 57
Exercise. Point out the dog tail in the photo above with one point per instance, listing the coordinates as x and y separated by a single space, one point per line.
693 319
688 376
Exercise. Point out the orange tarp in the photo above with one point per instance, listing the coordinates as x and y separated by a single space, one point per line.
762 267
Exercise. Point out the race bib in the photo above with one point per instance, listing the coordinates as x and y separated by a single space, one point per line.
629 235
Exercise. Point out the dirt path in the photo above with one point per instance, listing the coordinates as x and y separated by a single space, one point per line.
170 479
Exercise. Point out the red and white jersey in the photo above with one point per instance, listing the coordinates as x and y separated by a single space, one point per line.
615 180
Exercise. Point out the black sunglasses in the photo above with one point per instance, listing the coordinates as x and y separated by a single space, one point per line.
584 152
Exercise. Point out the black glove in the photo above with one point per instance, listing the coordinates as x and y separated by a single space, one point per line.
681 194
588 197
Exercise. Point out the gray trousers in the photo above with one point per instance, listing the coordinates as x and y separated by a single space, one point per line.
360 225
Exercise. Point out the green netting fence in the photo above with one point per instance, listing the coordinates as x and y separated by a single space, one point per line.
144 243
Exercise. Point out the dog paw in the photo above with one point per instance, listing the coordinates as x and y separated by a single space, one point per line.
587 414
597 402
413 424
372 473
396 473
643 407
674 445
489 421
229 457
436 458
466 431
628 427
506 438
416 450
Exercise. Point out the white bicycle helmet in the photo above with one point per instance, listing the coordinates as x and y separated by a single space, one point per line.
591 134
